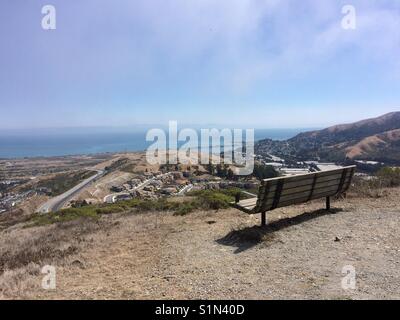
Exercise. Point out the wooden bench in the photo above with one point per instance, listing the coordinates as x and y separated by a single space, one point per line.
285 191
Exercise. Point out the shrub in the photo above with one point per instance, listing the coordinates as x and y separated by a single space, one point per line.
389 177
184 208
230 192
210 199
264 172
374 186
63 216
110 209
203 199
370 188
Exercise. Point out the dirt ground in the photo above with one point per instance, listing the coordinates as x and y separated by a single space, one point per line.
212 255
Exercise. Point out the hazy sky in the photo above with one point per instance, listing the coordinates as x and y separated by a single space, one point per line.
250 63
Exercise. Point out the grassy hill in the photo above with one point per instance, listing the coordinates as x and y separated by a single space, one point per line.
373 139
220 254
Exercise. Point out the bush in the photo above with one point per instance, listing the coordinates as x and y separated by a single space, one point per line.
370 188
185 208
374 186
264 172
214 200
63 216
110 209
230 192
203 199
389 177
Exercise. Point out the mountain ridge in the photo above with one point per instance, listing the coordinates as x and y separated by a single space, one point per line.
369 139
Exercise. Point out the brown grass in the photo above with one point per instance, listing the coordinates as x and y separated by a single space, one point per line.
368 188
23 252
209 254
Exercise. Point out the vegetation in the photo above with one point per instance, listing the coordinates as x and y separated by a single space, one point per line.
203 199
379 138
63 216
117 164
375 186
389 177
164 168
221 170
129 166
264 172
63 182
213 200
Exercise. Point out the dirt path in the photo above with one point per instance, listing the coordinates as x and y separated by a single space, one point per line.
224 254
293 258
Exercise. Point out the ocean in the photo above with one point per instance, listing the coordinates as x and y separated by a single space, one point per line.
62 142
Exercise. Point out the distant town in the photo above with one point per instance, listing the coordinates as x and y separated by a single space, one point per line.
49 184
127 176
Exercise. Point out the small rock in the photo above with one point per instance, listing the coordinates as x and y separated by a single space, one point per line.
78 263
337 239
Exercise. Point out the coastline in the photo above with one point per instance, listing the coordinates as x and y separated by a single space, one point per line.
96 143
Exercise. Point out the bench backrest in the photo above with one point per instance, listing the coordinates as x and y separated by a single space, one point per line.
284 191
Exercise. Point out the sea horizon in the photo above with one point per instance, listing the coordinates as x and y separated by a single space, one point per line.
26 143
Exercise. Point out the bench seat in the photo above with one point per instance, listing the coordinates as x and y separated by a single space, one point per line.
246 205
285 191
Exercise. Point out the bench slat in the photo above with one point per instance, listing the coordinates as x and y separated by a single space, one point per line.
318 185
304 199
308 180
246 202
305 194
284 191
307 175
248 206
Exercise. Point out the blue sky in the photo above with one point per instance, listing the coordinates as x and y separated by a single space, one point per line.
236 63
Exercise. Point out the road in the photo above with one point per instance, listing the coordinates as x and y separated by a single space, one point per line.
185 189
111 197
56 203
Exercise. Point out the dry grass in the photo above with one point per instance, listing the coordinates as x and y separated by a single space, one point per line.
23 252
17 282
210 254
378 185
365 190
374 188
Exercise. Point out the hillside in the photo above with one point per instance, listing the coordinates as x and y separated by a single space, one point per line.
387 143
371 139
211 255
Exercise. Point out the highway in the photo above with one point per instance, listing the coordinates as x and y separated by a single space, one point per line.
56 203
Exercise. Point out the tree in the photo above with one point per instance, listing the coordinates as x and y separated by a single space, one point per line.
230 175
264 172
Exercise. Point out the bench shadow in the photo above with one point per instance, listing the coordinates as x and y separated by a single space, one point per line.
249 237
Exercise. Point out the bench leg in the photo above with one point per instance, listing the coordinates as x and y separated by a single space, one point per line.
328 203
263 219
